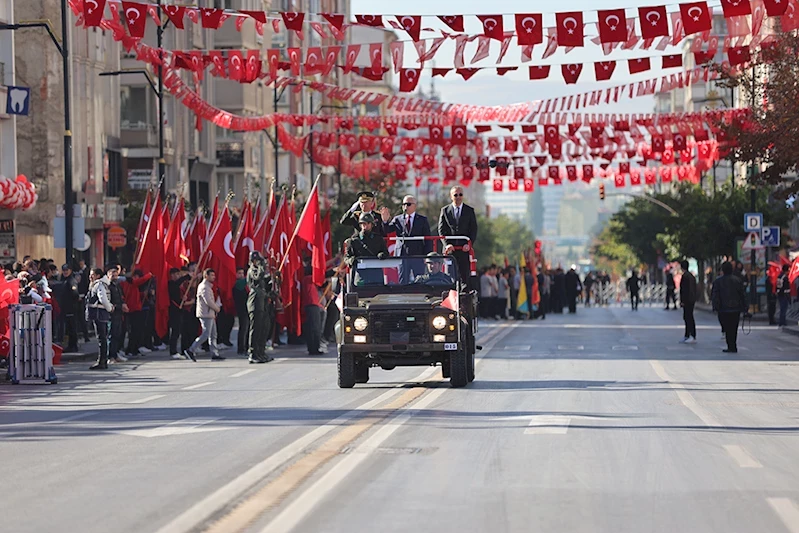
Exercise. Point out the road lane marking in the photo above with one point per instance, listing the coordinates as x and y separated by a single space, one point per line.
295 512
148 399
187 426
518 347
198 385
742 457
578 348
548 425
215 502
685 397
787 511
243 373
625 348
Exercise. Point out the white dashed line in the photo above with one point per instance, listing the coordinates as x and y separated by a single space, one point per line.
625 348
787 511
518 347
742 457
575 348
243 373
548 425
148 399
685 397
199 385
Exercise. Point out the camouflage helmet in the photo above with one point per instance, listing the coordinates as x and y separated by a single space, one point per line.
255 257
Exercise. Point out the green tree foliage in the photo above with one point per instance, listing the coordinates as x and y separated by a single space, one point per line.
705 228
610 254
501 237
770 135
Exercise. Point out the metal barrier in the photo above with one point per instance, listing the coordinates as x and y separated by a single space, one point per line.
616 294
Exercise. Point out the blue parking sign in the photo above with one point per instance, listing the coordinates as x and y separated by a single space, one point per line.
771 236
18 100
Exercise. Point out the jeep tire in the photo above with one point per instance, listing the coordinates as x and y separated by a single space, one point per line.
470 349
346 370
361 372
459 368
445 369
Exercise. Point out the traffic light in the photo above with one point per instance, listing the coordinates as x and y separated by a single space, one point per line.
601 191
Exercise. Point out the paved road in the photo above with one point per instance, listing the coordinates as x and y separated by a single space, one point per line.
588 423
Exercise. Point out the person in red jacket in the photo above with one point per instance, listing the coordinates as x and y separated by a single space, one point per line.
131 288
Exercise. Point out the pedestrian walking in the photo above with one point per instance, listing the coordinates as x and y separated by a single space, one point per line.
687 302
117 324
729 299
573 288
98 312
208 306
670 289
176 280
634 287
784 294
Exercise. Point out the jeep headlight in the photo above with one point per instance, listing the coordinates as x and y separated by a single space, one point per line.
361 323
440 322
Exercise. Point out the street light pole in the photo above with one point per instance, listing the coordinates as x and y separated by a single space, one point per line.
753 206
69 201
161 160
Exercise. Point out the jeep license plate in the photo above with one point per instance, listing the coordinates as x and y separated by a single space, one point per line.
450 346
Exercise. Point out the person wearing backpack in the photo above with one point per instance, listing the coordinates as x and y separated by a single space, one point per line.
784 295
98 312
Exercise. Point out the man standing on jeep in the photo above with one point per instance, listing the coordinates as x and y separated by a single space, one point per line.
366 244
458 220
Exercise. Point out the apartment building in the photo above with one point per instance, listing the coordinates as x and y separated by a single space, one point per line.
8 124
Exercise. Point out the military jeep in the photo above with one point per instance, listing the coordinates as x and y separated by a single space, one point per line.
406 311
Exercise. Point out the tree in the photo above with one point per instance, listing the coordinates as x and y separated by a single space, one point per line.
769 135
609 253
501 237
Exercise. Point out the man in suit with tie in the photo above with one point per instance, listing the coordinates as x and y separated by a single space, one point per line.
410 224
458 220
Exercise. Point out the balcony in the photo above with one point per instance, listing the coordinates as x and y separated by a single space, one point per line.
230 155
139 135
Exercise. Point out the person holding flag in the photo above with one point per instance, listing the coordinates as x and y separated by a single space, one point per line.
260 284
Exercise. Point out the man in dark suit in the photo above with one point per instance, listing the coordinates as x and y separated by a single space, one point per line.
458 220
410 224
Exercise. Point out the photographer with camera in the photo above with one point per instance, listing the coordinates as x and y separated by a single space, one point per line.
729 300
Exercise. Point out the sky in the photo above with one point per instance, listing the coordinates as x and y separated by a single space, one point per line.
487 88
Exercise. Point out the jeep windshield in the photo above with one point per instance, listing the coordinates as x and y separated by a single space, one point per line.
404 274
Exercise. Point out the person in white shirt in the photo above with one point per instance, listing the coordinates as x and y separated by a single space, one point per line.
208 306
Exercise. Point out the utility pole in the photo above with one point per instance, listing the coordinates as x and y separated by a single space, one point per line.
161 160
753 206
69 201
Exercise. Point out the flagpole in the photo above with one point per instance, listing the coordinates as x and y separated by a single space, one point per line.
297 226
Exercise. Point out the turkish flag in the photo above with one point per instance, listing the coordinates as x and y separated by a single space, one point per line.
618 180
93 12
654 22
370 20
539 73
211 19
635 177
551 133
529 29
236 65
636 66
220 248
775 8
150 255
175 252
135 18
309 229
492 26
468 173
328 237
739 55
603 70
571 172
450 173
570 28
245 242
665 174
498 186
588 173
293 20
401 171
518 173
650 177
543 182
409 79
411 24
529 185
736 8
658 145
624 168
668 157
436 134
571 73
459 135
696 17
453 21
672 61
513 184
678 142
337 21
554 172
612 26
